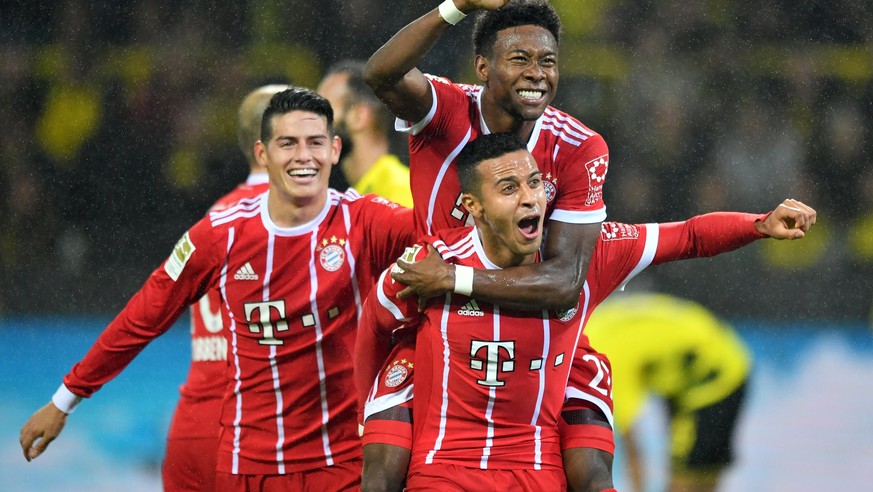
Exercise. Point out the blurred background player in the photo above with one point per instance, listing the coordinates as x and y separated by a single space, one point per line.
192 443
365 126
292 266
680 353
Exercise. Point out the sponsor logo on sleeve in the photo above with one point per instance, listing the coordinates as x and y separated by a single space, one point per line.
615 231
179 257
596 170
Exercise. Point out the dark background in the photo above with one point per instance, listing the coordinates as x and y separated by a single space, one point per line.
117 131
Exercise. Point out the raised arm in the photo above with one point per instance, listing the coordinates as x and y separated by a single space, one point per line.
554 283
391 72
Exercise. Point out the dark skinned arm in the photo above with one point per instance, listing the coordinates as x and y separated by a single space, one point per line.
391 72
554 283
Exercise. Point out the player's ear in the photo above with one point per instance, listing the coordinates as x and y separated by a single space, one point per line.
261 154
336 148
472 204
482 67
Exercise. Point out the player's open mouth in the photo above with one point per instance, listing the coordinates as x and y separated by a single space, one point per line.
531 95
530 226
302 174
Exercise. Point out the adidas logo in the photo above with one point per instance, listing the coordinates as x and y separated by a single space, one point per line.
471 309
245 273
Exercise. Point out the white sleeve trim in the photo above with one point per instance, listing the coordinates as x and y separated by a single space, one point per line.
65 400
414 128
649 249
386 303
575 217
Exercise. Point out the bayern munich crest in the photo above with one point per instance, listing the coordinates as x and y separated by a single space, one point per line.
396 376
332 257
550 190
567 314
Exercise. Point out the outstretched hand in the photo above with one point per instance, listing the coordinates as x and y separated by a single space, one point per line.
40 430
427 278
790 220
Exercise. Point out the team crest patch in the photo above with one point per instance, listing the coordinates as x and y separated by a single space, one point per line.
567 314
396 375
550 190
332 257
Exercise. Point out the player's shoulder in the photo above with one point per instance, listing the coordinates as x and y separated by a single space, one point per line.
568 128
454 244
243 209
442 84
362 203
242 191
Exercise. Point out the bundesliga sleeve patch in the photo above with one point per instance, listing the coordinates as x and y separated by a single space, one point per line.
179 257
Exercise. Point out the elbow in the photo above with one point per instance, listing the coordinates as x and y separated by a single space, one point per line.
373 77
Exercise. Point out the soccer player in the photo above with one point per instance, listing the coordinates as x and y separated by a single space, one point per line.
490 380
516 60
679 352
292 266
192 443
364 124
622 251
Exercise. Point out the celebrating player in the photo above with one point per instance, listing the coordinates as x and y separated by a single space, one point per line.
292 266
516 59
623 250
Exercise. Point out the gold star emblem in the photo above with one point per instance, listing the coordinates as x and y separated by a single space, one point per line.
324 242
549 176
342 242
333 239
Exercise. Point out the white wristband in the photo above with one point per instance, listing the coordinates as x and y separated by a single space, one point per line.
463 280
450 13
65 400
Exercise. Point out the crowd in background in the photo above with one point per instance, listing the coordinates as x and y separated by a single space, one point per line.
117 130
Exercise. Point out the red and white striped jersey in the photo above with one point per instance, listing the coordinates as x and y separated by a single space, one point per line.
202 393
489 381
291 298
459 418
573 159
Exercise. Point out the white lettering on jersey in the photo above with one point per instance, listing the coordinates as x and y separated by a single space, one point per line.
208 349
179 257
602 375
492 363
211 319
264 325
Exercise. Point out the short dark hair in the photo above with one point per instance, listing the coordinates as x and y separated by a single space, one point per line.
481 149
515 13
360 92
295 99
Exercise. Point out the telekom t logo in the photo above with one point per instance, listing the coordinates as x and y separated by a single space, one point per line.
492 361
264 324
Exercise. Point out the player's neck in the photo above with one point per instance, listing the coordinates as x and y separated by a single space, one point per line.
498 253
286 211
367 149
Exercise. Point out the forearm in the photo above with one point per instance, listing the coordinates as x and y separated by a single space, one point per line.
707 235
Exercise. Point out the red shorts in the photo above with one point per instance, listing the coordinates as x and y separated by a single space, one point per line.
440 477
388 411
344 476
190 464
587 420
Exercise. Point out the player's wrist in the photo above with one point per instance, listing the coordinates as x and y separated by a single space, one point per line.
450 12
761 224
463 283
65 400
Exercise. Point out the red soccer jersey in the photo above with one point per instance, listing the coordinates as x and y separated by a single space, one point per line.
489 381
291 297
202 393
572 158
622 251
